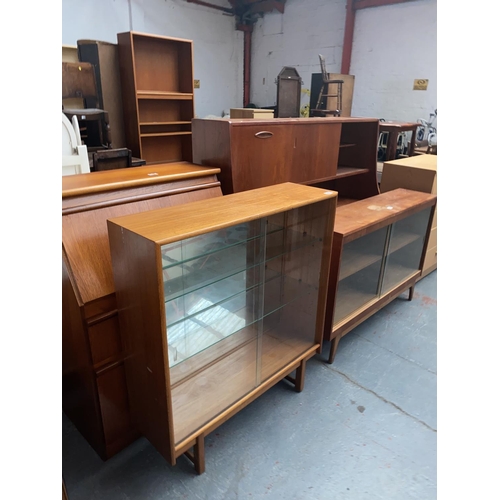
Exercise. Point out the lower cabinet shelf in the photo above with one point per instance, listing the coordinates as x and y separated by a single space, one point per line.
218 301
379 247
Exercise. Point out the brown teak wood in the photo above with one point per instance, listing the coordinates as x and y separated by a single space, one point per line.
95 393
356 220
336 153
158 89
167 401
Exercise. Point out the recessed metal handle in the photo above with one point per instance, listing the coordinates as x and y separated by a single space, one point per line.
265 134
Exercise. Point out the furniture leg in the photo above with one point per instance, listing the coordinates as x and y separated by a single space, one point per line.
333 349
298 380
198 455
318 104
410 295
392 142
300 376
411 149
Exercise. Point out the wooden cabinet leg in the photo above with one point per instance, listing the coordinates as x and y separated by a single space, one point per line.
410 295
300 375
198 455
333 349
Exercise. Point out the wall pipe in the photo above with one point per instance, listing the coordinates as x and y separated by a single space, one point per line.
247 52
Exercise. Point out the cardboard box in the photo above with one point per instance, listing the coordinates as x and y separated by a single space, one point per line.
418 173
260 114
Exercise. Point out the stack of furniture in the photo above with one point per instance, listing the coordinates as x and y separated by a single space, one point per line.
219 300
158 96
322 106
94 393
338 154
418 173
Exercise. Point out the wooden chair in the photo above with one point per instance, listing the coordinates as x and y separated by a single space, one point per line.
111 159
321 105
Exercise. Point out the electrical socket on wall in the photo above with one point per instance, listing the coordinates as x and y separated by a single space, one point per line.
197 84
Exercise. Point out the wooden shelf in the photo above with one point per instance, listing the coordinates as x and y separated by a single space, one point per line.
165 123
348 171
164 134
150 94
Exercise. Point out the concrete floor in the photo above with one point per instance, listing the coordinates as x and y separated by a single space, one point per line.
363 428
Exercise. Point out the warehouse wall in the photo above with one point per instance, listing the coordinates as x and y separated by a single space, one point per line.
295 38
393 45
218 47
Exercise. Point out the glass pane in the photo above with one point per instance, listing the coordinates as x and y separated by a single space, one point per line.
405 249
240 304
360 267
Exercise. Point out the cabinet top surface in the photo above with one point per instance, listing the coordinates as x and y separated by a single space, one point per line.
167 225
381 208
108 180
149 35
427 162
286 121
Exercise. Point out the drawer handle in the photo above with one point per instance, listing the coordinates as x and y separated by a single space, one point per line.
264 134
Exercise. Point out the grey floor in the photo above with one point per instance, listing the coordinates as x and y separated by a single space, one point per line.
363 428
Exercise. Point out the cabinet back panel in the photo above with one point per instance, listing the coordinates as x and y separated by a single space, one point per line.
157 110
156 64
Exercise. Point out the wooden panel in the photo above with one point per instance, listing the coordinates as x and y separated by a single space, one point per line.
257 163
347 93
104 338
129 101
114 406
137 286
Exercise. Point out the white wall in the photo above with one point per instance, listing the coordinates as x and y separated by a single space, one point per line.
295 38
218 47
393 45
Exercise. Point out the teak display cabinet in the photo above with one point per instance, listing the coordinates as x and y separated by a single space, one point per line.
219 301
158 95
378 252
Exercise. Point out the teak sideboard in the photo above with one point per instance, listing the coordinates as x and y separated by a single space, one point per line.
338 153
379 247
218 301
94 386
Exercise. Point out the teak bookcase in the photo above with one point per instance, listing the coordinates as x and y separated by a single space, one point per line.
219 300
94 390
158 95
378 252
